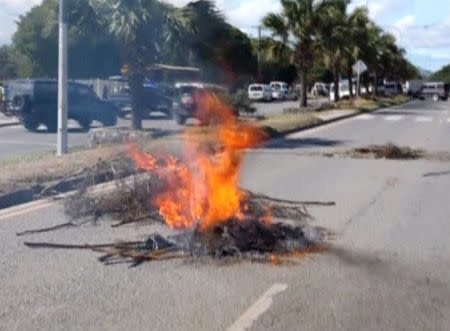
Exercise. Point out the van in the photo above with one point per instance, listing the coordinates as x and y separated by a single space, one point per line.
259 92
433 90
279 90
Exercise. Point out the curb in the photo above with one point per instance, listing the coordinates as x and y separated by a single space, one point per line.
333 120
318 124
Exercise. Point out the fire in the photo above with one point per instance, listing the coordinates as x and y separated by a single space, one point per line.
203 189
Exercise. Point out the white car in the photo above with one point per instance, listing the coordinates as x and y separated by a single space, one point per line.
343 92
259 92
280 90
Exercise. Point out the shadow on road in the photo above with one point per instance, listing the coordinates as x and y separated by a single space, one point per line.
303 143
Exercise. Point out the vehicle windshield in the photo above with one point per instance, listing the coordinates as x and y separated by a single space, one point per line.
236 165
256 88
276 86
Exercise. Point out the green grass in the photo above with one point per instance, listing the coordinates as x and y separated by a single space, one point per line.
284 123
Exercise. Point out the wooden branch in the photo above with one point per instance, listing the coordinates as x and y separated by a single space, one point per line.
262 197
49 229
136 220
86 246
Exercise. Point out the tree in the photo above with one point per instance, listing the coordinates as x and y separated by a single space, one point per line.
297 26
356 33
94 52
332 40
8 64
138 26
198 35
442 75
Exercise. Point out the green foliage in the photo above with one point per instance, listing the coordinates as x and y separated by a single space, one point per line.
442 75
8 64
93 51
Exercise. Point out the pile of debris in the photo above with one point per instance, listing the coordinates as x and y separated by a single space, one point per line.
249 240
198 197
389 151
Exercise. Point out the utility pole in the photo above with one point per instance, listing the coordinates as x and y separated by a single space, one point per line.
259 54
62 140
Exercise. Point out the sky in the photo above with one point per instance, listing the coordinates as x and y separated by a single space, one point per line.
422 27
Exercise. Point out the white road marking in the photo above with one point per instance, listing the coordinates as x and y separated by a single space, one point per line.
246 321
393 118
424 119
365 117
448 120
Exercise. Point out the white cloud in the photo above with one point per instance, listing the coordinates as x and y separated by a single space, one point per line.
422 37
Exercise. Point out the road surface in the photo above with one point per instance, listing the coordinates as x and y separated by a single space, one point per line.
388 267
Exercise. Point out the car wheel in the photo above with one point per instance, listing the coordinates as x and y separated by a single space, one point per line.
30 123
52 125
85 123
435 97
110 121
180 119
169 113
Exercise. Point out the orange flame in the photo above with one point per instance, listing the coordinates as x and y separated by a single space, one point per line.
203 189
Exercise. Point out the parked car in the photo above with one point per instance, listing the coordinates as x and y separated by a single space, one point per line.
35 101
259 92
186 100
433 90
343 92
320 89
281 91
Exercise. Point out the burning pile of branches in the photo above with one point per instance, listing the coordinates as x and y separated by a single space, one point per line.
199 197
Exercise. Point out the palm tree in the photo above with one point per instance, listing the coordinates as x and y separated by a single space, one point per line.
356 32
332 41
138 25
297 26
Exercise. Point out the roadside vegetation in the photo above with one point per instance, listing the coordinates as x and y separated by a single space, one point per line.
307 41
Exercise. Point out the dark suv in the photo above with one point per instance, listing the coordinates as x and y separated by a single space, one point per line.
35 102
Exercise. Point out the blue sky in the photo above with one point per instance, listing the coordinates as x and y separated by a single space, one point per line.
422 27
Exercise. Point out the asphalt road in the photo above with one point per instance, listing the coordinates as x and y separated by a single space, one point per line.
16 141
388 267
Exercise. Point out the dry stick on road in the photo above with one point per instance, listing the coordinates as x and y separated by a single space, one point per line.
49 229
86 246
151 216
265 198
